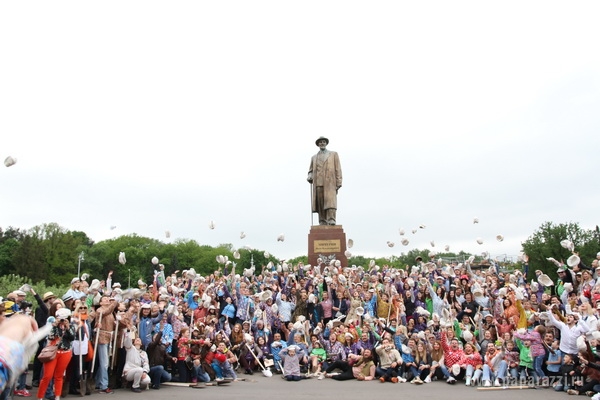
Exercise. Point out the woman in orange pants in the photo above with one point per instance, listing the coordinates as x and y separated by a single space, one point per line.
62 334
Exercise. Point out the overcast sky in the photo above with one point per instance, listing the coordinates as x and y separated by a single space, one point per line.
153 116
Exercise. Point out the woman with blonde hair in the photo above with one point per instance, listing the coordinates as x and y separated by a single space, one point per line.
423 360
437 361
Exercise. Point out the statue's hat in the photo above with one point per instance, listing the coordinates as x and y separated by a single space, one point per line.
321 138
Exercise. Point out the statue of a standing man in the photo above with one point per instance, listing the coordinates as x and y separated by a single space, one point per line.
325 174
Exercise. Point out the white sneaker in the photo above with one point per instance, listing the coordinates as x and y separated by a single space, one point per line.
497 383
596 396
321 376
468 381
427 379
487 383
401 379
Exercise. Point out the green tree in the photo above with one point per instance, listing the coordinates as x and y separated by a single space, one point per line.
545 243
9 242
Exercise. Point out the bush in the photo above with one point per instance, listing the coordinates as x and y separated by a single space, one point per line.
12 282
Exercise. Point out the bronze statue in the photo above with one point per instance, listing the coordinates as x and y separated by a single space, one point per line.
325 175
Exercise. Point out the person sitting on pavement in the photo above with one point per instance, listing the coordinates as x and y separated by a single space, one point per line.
360 367
136 365
223 361
157 358
390 361
291 357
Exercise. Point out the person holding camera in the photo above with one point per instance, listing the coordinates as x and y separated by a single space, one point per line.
390 362
62 334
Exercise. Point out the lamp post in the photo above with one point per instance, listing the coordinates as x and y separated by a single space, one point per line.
129 282
80 259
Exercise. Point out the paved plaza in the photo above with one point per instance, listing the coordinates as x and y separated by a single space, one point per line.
261 388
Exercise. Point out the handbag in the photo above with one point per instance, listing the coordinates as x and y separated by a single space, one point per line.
90 354
48 353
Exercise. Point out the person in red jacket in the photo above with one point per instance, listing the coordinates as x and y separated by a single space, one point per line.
453 355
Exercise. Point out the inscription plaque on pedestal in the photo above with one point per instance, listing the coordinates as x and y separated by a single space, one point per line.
327 242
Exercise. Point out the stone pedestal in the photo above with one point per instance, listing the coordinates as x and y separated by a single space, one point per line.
327 242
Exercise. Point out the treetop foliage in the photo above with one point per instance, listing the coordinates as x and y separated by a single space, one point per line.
49 254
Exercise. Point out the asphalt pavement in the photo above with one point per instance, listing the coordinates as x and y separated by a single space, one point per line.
260 387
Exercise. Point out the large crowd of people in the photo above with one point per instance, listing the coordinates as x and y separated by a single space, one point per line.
450 322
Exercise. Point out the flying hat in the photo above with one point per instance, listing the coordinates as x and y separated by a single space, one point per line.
467 335
321 138
298 326
9 161
573 260
48 296
545 280
74 280
292 348
568 286
421 311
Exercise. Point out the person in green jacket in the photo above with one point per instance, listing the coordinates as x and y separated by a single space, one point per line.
525 359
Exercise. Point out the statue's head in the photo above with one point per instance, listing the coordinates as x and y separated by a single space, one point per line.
322 138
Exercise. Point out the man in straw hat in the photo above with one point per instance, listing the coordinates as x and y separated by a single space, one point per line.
325 175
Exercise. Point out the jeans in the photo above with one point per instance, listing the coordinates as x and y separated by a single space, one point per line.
444 370
386 373
500 373
22 381
158 375
102 373
223 369
200 374
218 371
537 366
473 373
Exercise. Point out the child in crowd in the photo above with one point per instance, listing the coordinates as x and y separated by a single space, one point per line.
554 359
525 359
317 356
511 356
567 373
